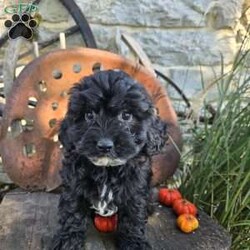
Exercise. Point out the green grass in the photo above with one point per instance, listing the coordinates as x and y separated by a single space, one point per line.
217 169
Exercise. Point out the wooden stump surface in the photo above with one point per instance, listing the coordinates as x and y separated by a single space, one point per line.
29 220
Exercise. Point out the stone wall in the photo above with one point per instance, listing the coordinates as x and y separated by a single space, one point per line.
186 39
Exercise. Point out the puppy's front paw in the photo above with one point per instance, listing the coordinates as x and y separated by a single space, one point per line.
134 245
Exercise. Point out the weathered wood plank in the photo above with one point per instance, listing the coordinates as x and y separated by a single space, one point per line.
28 221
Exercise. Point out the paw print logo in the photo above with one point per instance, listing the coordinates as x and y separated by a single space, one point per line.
21 26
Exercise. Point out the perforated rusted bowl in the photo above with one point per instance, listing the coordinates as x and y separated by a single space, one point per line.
29 144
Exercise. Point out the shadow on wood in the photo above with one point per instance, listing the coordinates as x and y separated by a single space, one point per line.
28 221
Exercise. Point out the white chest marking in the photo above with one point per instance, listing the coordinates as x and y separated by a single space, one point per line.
104 206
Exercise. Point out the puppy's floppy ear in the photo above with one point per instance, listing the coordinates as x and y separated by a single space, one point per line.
66 133
156 135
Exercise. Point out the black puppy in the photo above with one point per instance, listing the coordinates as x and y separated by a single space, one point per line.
109 134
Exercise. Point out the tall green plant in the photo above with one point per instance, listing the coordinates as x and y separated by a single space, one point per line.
218 178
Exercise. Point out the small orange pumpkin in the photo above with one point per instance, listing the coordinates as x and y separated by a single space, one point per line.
183 206
187 223
105 224
168 196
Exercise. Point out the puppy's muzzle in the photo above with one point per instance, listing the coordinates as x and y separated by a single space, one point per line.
105 145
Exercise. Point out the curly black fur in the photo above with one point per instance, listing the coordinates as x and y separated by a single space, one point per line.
109 134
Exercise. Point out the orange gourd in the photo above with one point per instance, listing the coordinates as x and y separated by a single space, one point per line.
105 224
187 223
168 196
183 206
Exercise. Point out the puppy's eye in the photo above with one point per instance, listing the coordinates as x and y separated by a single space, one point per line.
125 116
89 116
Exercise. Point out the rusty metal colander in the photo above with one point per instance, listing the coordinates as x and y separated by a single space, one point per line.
30 148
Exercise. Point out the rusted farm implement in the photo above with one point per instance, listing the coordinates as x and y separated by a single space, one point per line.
29 145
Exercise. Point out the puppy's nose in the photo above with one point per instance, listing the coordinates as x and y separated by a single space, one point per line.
105 145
